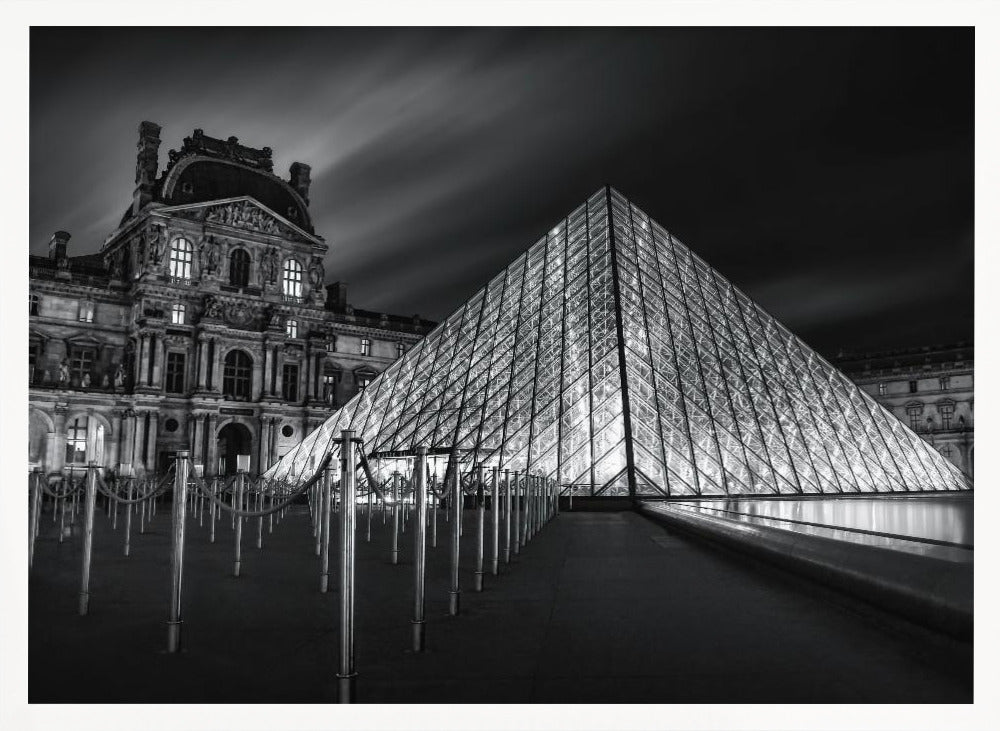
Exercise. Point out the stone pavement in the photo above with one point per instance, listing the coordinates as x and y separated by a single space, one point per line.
600 607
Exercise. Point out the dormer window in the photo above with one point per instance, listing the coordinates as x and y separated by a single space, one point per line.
293 212
187 187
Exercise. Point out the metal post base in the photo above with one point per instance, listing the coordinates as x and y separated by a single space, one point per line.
453 602
84 603
478 581
495 566
346 688
394 558
174 636
236 568
418 636
324 583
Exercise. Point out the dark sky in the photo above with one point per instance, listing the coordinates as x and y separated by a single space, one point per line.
827 172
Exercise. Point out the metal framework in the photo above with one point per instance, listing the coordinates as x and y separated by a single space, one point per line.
612 359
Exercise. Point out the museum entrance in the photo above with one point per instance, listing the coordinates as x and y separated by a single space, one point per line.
234 439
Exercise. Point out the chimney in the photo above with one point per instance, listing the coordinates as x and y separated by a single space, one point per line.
336 296
299 179
146 163
57 245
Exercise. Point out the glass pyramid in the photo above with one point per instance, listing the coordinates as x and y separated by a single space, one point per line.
610 357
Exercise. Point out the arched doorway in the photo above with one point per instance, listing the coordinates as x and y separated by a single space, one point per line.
234 439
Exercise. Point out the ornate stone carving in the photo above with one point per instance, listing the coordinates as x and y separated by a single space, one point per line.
240 315
243 214
269 266
212 308
157 245
316 274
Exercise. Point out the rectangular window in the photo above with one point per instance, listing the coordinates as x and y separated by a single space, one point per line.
400 349
881 389
913 386
34 362
76 441
81 362
33 301
175 372
290 382
944 382
363 380
86 311
291 328
947 412
331 345
177 312
366 346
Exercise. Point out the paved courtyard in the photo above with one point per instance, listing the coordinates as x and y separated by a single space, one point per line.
600 607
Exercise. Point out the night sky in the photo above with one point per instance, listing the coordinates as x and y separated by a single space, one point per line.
828 173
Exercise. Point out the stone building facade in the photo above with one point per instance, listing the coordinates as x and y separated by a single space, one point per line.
930 389
204 322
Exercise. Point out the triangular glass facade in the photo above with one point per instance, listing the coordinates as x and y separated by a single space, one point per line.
610 357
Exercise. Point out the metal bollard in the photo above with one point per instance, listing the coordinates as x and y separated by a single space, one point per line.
324 576
177 552
62 520
33 531
88 538
419 549
506 517
454 502
270 516
495 515
368 530
434 520
238 524
347 677
517 512
128 520
480 520
142 515
394 551
213 512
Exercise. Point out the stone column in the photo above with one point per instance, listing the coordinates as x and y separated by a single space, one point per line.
202 363
48 455
195 428
307 366
159 354
142 360
217 368
59 442
127 450
138 457
257 380
266 385
272 441
212 459
151 450
113 445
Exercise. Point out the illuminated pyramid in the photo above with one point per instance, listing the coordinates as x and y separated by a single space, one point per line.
611 358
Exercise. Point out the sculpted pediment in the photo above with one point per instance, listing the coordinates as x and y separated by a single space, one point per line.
244 214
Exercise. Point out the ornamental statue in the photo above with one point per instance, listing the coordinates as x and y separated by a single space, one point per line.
209 253
269 266
63 372
316 274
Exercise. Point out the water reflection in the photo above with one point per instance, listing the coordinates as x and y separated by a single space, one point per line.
932 525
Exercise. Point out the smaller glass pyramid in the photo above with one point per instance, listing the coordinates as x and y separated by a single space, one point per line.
611 358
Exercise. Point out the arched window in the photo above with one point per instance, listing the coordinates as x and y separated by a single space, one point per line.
291 279
236 374
181 256
239 268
